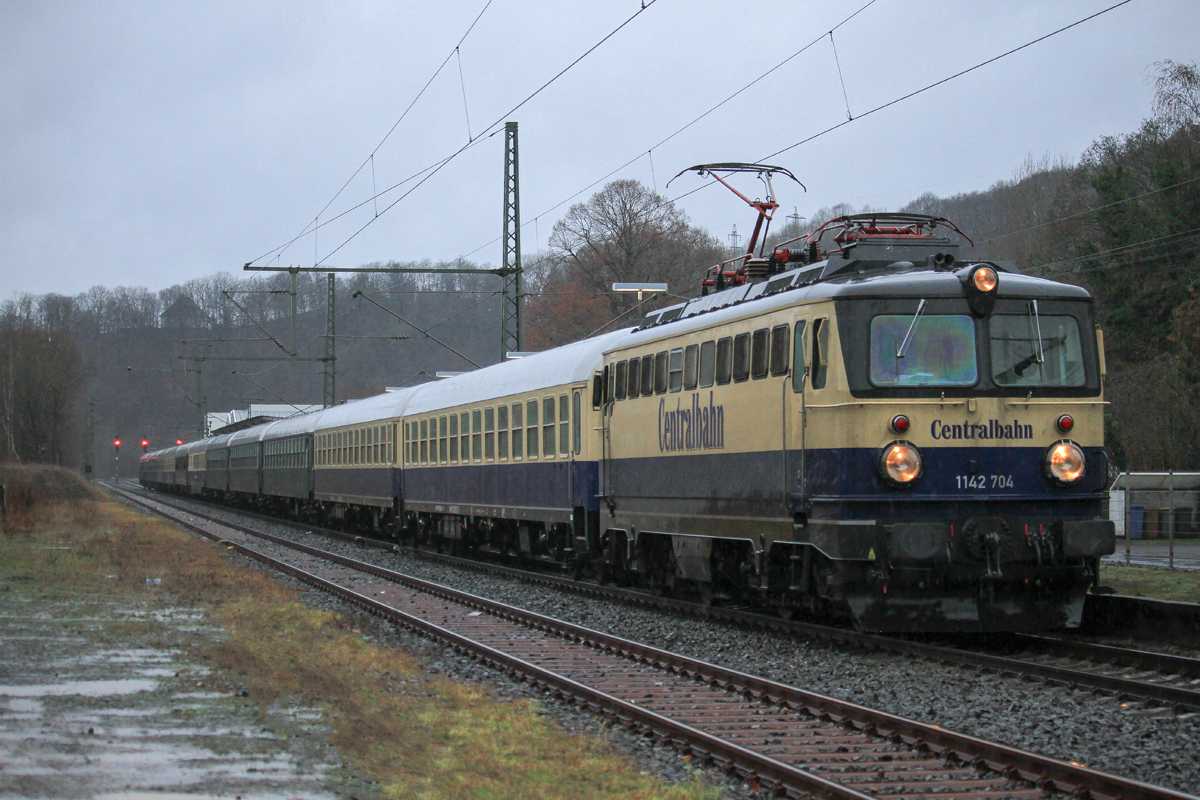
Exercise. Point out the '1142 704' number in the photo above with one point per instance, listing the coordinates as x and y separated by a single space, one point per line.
984 481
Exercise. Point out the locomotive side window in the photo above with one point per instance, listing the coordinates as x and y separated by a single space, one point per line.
647 375
760 353
708 363
660 372
1035 350
620 382
443 443
489 433
798 367
454 438
741 357
675 370
779 350
820 357
577 438
547 427
477 435
464 437
531 430
517 433
634 377
724 360
564 445
502 432
691 364
930 350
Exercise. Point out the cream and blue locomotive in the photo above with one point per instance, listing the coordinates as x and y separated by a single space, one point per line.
877 431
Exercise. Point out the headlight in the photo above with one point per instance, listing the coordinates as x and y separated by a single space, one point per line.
1064 462
985 279
900 463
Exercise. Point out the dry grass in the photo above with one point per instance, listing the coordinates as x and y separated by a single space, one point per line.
420 737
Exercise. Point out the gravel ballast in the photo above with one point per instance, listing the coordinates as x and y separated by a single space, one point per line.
1153 745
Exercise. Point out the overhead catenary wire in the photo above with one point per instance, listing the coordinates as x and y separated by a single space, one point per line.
488 131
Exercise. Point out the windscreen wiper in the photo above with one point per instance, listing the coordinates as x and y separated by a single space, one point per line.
911 328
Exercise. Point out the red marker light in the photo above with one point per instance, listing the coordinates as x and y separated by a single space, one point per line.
1065 423
145 442
900 423
116 442
179 441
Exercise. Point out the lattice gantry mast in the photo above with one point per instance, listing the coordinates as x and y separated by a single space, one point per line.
329 393
511 294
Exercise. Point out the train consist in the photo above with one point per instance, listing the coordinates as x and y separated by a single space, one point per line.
875 430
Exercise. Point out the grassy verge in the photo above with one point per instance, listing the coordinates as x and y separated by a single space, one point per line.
1163 584
419 736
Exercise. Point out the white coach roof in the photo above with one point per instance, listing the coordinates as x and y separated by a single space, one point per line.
369 409
570 363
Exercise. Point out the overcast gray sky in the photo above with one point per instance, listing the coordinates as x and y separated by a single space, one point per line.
148 143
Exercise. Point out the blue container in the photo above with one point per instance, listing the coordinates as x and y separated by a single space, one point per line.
1137 520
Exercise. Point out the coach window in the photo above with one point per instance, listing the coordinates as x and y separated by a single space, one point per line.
760 353
433 437
577 436
798 368
531 429
564 445
518 441
620 380
464 437
647 375
633 377
453 438
443 442
502 432
741 357
724 360
424 441
489 434
354 447
477 435
379 449
547 427
708 363
675 370
660 372
691 366
820 358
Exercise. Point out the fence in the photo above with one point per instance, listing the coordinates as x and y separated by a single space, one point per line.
1156 505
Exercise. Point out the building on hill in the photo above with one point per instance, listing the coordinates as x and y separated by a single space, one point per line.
257 413
184 313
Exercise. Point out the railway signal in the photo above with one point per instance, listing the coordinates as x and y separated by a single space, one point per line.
145 445
117 445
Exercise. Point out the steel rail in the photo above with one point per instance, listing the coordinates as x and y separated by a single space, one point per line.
1181 699
1014 764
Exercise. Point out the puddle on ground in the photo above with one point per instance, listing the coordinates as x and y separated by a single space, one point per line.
82 688
80 717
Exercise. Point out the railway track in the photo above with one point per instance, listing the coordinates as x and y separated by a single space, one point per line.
1155 679
789 741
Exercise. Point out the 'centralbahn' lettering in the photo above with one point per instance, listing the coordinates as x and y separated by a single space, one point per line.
696 427
991 429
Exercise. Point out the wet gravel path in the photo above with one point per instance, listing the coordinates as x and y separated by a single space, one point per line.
1153 745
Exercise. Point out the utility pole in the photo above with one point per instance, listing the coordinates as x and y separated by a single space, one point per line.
89 451
329 393
510 295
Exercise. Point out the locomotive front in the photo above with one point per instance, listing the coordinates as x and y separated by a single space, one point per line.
958 483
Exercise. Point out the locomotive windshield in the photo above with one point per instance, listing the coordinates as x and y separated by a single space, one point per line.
1035 351
930 350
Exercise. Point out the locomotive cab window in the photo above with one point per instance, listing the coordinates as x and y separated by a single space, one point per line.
1035 350
820 357
922 350
779 350
760 353
798 366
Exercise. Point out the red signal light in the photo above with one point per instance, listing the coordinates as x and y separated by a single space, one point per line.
179 441
116 442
